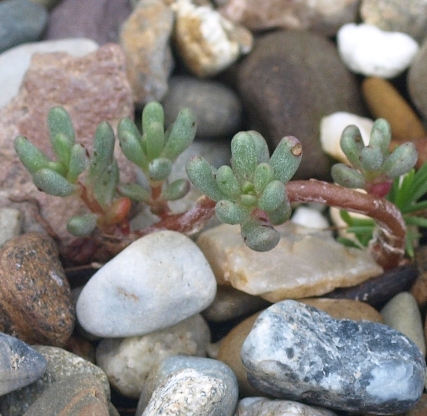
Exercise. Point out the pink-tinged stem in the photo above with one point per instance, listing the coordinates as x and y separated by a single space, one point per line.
388 244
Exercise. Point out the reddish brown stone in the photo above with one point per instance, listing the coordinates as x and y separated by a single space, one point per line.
35 298
92 88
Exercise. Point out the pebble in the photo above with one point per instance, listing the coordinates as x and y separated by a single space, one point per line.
15 61
107 96
127 296
419 288
81 394
273 85
230 303
385 101
396 16
207 42
254 406
127 361
217 107
223 401
402 313
331 128
49 4
298 352
417 79
10 224
310 218
305 262
420 409
21 21
370 51
144 37
35 296
20 365
323 16
61 364
99 20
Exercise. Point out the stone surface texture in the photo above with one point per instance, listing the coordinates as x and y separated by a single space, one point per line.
324 16
20 364
157 281
127 361
61 364
205 367
295 351
35 296
395 16
91 88
305 263
10 224
417 84
370 51
145 37
288 83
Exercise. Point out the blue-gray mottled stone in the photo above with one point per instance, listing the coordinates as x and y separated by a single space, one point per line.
205 367
295 351
21 21
20 364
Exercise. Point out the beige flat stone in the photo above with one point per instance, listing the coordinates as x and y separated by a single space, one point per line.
305 263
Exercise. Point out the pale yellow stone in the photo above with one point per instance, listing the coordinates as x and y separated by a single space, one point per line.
305 263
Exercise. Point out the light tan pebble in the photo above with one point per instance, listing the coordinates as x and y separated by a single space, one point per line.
10 224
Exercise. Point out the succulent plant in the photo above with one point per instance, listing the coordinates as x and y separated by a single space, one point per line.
373 167
251 192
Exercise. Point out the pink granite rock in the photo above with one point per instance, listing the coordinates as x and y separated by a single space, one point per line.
91 88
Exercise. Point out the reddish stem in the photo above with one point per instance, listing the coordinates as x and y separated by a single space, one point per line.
388 244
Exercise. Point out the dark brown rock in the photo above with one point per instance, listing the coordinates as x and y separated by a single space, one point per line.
288 83
79 395
35 297
92 88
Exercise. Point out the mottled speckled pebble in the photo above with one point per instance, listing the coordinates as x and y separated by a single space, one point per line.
295 351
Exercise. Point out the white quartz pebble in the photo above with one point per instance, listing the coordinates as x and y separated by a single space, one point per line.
370 51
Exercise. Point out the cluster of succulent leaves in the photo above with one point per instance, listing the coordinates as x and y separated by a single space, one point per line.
109 201
384 173
251 192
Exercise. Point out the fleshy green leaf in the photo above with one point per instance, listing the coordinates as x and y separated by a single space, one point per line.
259 237
227 182
263 175
131 143
273 197
134 191
105 185
401 160
230 213
346 176
30 156
351 143
78 162
286 158
59 122
243 156
176 190
53 183
82 226
153 120
159 169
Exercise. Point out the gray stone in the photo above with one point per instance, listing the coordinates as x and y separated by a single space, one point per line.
60 365
403 314
298 352
10 224
417 80
127 361
20 21
157 281
288 83
217 107
20 364
204 366
260 406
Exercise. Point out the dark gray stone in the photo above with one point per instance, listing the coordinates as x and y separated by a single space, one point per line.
289 82
217 107
21 21
20 364
295 351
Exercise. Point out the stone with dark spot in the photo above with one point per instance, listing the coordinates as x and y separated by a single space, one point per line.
288 83
357 366
35 296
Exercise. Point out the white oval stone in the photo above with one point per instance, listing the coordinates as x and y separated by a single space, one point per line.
158 281
370 51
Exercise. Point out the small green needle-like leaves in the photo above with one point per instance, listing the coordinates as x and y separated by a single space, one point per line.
51 182
176 190
82 225
286 158
30 156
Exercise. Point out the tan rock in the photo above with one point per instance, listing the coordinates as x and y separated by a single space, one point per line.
207 42
305 263
92 88
145 40
345 309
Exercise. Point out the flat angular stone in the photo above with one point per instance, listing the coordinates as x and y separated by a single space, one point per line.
305 263
20 364
297 352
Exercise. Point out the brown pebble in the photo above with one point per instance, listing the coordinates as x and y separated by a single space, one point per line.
77 395
35 297
420 409
345 309
419 288
385 101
